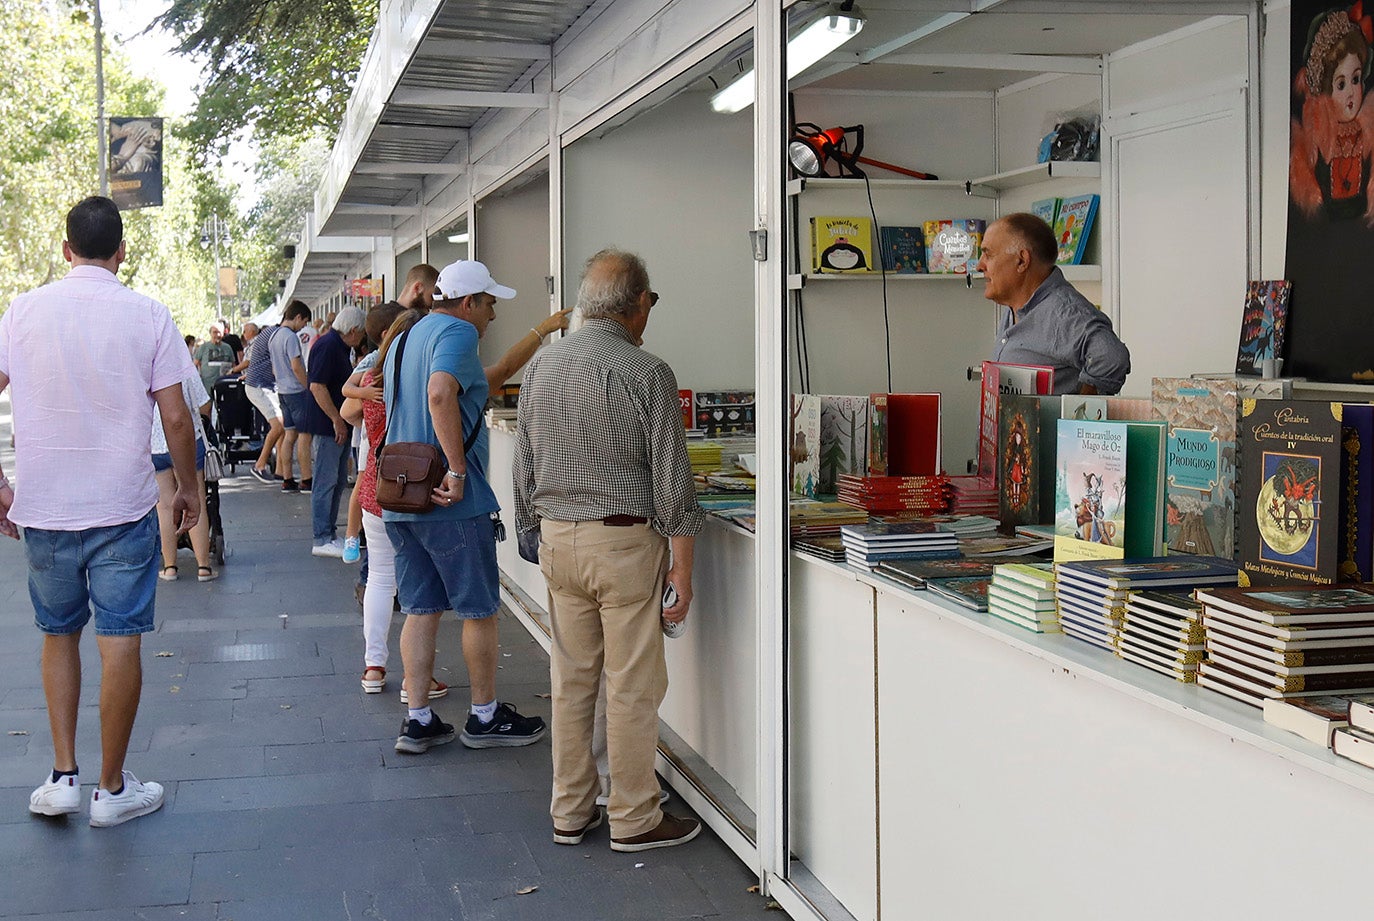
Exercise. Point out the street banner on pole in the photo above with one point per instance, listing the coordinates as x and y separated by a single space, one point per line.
136 162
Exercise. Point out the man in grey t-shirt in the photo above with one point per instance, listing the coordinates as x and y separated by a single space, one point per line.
288 366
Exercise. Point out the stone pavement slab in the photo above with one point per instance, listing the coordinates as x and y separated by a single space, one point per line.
285 797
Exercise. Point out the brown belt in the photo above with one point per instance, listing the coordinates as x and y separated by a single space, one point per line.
623 521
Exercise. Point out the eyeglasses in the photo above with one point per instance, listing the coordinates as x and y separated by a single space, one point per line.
653 298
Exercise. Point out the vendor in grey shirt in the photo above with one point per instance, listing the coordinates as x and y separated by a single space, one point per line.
1046 321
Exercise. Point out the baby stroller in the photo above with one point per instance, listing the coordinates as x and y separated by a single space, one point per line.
236 422
214 469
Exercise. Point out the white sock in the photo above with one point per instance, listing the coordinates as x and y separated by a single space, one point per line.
485 712
423 716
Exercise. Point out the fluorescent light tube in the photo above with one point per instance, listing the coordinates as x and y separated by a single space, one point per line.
458 238
811 45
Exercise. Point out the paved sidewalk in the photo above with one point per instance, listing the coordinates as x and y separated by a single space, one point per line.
285 799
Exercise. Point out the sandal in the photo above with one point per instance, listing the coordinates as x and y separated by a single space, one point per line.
373 685
437 689
168 574
206 574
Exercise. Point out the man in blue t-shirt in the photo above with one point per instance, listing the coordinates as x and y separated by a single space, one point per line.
446 558
331 363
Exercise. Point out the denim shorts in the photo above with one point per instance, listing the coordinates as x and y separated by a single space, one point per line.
163 462
446 566
293 408
112 571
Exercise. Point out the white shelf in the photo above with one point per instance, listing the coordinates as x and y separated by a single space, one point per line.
796 282
797 186
1040 172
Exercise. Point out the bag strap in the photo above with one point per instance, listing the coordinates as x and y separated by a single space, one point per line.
468 442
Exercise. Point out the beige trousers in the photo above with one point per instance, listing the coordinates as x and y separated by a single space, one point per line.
606 585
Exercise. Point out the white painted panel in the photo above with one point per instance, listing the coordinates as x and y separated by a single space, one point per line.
1275 120
513 241
1027 115
1166 70
1181 207
526 575
712 668
1012 788
674 185
831 697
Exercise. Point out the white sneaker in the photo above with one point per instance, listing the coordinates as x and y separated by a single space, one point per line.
334 549
137 799
60 798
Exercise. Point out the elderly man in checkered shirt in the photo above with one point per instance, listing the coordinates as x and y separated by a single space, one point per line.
601 470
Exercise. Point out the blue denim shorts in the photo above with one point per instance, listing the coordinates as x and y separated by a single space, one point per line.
112 571
446 566
163 461
293 408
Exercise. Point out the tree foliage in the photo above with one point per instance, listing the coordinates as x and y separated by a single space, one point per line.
48 162
281 68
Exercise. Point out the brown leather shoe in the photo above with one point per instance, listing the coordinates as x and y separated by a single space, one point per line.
672 831
575 837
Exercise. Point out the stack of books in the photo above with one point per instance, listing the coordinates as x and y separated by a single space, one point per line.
1163 632
1356 740
1316 719
926 495
868 545
811 518
1092 594
1003 546
704 456
1023 594
917 573
969 591
1282 643
825 548
974 495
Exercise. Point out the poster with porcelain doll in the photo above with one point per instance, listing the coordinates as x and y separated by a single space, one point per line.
1331 194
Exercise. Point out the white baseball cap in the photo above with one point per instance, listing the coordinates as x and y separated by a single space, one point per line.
465 277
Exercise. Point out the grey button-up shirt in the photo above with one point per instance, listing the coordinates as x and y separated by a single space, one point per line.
1061 328
600 433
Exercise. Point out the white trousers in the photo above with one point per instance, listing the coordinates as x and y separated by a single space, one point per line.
381 589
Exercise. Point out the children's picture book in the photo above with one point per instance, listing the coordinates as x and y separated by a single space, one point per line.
1090 491
804 444
841 244
997 379
844 439
903 250
725 412
1085 409
1357 494
913 434
1072 225
1201 463
1262 324
1290 482
877 434
953 247
1047 209
1018 468
684 399
969 592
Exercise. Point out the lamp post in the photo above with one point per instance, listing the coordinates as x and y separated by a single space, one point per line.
212 231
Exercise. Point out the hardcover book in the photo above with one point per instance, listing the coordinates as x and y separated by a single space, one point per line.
803 456
841 244
903 250
1356 518
1083 408
1290 479
1047 209
997 380
877 435
684 399
1200 463
1302 607
1032 501
1154 573
1313 718
953 247
725 412
1072 225
844 439
1109 485
1262 324
913 434
969 592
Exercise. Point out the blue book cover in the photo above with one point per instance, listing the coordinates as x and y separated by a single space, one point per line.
1047 209
1356 516
1152 572
1072 225
903 250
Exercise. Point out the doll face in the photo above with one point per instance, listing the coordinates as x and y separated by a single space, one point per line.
1347 87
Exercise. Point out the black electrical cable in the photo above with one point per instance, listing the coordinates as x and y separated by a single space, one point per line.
882 268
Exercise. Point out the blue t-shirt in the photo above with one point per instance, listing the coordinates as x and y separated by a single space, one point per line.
331 365
440 343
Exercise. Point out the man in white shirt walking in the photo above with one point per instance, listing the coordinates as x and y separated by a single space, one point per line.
87 359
